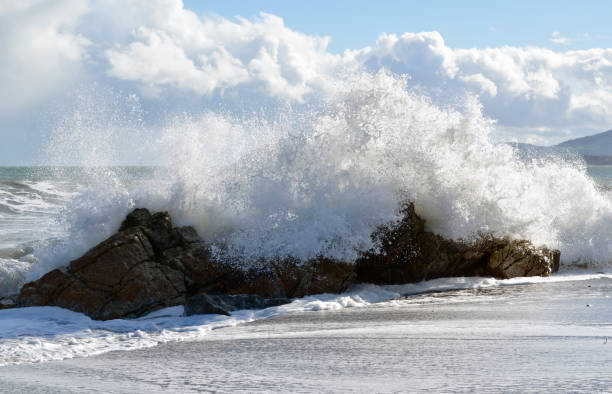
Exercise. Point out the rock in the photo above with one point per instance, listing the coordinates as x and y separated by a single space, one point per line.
264 282
149 264
160 232
45 290
8 302
138 217
186 235
322 275
122 276
509 259
105 266
201 304
408 253
290 278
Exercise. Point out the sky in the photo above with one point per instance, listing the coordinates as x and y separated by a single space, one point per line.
542 70
354 24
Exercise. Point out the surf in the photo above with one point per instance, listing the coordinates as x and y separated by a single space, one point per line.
318 180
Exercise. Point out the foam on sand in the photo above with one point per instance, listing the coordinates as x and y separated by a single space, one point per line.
39 334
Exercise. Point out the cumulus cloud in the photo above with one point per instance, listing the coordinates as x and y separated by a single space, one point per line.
523 88
40 47
158 61
423 56
531 88
203 56
158 48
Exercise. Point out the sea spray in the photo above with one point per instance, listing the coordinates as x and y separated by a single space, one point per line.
264 189
319 181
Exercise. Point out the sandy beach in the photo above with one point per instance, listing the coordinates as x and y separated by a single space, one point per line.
535 337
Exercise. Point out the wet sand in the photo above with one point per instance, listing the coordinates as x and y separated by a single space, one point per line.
538 337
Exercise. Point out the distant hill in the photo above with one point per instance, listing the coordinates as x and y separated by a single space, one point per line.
529 151
596 149
598 145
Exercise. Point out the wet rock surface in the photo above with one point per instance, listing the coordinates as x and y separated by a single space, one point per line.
223 304
150 264
408 254
8 302
124 276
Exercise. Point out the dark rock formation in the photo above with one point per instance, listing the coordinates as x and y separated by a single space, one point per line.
509 259
201 304
149 264
408 253
292 278
124 276
8 302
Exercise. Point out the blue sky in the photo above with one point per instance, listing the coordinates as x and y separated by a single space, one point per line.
463 24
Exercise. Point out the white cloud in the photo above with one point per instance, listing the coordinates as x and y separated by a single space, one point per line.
557 38
524 88
480 83
203 56
423 56
40 49
157 47
158 61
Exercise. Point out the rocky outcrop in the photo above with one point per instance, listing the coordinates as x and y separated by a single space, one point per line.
124 276
8 302
149 264
508 259
408 253
201 304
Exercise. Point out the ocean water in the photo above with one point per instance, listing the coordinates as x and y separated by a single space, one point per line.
316 181
36 221
601 174
34 206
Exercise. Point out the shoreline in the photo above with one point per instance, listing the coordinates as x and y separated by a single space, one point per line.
58 330
493 337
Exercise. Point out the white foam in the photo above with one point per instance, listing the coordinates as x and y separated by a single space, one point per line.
40 334
319 182
49 333
12 274
460 283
